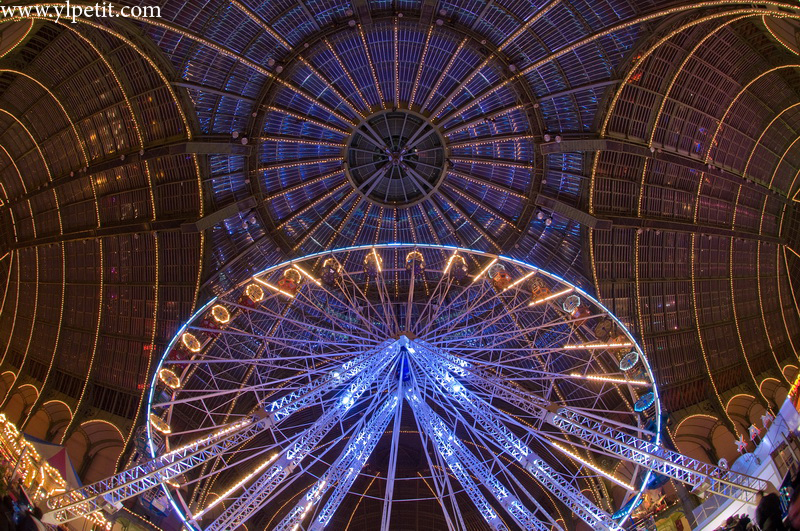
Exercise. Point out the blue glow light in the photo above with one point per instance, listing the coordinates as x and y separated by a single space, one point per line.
624 513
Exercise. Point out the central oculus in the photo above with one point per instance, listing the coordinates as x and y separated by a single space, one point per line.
395 157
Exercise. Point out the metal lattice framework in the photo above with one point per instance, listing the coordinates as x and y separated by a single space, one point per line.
481 379
379 121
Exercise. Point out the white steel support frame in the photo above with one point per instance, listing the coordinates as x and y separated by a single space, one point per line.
136 480
386 514
613 441
342 472
512 504
501 377
700 475
253 498
446 445
514 446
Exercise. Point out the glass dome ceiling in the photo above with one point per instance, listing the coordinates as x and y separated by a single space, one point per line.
396 120
671 194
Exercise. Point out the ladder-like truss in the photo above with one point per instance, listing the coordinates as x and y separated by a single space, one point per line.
608 438
342 473
514 446
132 482
449 448
685 469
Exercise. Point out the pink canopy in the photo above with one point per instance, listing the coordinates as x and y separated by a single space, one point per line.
57 457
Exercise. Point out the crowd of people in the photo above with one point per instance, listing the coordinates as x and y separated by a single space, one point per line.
739 522
769 514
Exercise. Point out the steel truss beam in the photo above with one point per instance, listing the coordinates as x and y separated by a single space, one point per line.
449 448
700 475
342 473
134 481
515 447
610 439
112 491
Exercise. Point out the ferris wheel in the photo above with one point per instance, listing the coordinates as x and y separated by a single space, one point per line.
414 381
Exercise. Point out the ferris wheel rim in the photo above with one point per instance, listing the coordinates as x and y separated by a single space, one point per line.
633 502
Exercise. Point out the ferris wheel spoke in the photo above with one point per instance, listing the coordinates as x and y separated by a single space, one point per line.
511 332
235 487
313 300
502 341
276 381
343 472
265 362
353 369
508 312
215 422
409 304
348 303
604 416
386 514
436 464
318 327
441 479
516 309
515 373
364 309
198 397
538 408
514 362
486 302
319 456
228 331
565 448
231 465
320 333
359 295
86 499
307 299
459 461
388 309
295 397
509 442
433 320
488 296
291 479
439 292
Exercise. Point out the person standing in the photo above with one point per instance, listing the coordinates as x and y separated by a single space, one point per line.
793 519
768 512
